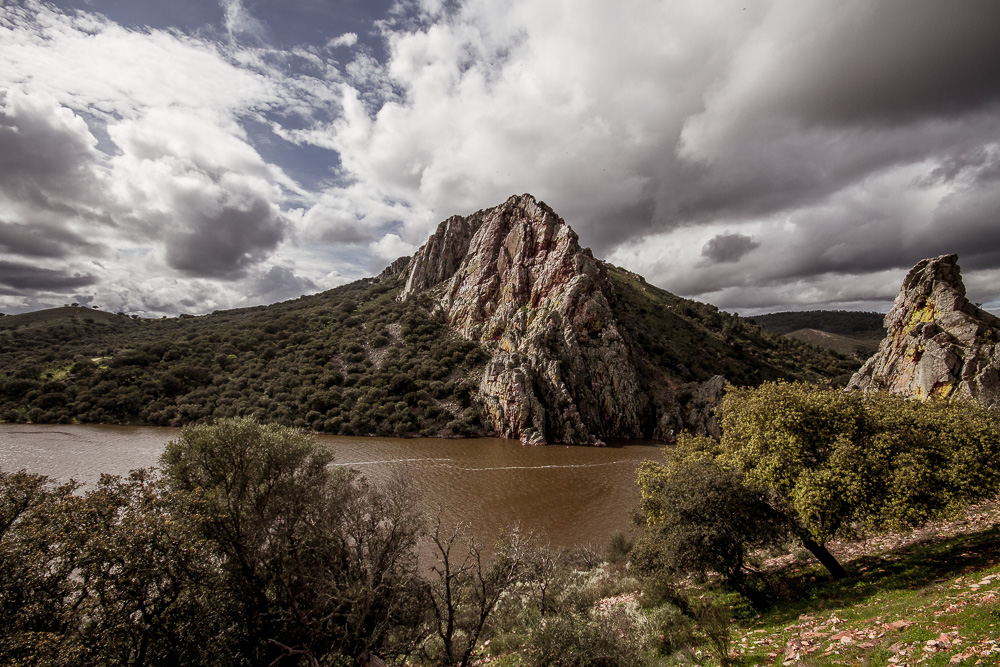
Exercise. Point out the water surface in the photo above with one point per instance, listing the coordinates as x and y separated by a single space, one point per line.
571 495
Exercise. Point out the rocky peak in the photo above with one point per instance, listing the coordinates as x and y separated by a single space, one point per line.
937 342
397 267
439 258
515 278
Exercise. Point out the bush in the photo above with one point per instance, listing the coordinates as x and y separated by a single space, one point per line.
608 639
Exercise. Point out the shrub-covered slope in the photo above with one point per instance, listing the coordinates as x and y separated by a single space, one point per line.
352 360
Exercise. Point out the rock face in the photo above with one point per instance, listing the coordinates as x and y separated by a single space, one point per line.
938 343
394 269
515 278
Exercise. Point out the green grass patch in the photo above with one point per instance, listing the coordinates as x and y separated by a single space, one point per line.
935 602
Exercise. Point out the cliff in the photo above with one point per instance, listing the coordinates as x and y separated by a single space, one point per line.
937 342
515 279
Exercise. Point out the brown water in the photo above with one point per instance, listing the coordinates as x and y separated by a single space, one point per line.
570 495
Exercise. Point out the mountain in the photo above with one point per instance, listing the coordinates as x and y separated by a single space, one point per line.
855 334
501 324
938 343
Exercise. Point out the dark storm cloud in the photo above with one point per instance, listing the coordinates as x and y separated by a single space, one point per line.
21 278
226 243
898 60
39 239
728 247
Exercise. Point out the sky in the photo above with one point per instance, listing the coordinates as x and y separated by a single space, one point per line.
191 156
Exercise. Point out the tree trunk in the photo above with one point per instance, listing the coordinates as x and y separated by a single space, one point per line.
824 556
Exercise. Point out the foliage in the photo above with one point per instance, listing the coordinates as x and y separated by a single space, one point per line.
352 361
116 576
700 518
608 639
836 459
844 322
823 461
251 550
320 562
686 341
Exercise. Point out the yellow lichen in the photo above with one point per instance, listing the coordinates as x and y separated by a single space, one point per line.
925 313
943 389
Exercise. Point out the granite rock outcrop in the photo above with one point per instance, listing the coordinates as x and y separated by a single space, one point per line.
938 343
515 279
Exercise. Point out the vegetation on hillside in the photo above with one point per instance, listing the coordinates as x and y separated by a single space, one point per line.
683 341
352 361
843 322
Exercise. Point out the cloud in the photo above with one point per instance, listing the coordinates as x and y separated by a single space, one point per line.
200 190
388 249
348 39
668 126
47 152
20 278
239 22
848 138
728 247
129 146
279 283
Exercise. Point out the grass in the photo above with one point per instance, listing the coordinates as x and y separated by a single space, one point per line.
932 600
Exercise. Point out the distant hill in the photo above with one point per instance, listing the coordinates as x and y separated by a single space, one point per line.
851 333
43 319
844 322
500 325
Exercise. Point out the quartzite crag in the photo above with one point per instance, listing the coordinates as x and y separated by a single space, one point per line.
938 343
515 278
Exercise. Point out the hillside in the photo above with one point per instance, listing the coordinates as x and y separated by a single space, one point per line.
853 334
842 322
375 357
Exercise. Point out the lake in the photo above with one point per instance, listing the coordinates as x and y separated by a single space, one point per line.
570 495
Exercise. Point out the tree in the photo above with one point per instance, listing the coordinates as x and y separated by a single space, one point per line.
322 564
116 576
700 518
467 587
37 558
827 460
151 592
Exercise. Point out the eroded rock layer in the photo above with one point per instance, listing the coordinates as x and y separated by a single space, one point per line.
937 342
515 278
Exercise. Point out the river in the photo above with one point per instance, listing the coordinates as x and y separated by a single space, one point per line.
570 496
